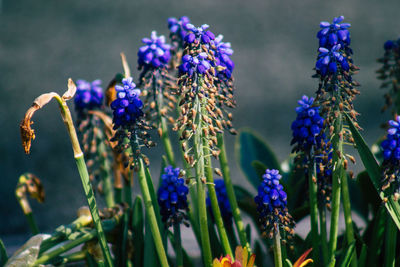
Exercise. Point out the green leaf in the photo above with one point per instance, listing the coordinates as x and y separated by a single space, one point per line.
349 255
377 237
259 254
246 202
363 256
368 192
248 148
3 253
374 172
150 254
137 227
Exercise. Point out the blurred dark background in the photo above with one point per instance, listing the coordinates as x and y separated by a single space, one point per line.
43 43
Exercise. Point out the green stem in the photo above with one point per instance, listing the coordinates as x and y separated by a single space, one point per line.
347 217
178 245
105 172
80 162
324 242
214 203
201 196
151 216
277 249
32 223
83 172
223 161
313 211
109 226
390 246
338 171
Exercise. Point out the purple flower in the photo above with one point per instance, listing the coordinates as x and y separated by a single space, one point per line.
391 145
178 27
223 52
329 59
200 34
271 195
172 195
155 53
334 33
88 95
307 129
191 64
127 107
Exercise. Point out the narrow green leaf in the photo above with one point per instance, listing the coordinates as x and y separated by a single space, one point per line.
137 227
150 254
3 254
248 232
288 263
374 172
363 256
259 254
377 237
349 255
250 147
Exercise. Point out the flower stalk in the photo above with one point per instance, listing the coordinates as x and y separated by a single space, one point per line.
313 210
223 161
277 249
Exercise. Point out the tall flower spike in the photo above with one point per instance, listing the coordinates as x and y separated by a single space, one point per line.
172 196
271 203
223 201
88 95
127 108
391 155
155 53
308 126
223 53
199 34
389 73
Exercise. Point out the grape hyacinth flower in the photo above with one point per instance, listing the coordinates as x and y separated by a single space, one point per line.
195 64
391 155
334 33
328 60
88 95
127 107
223 52
155 53
308 126
178 27
199 34
271 205
223 200
172 196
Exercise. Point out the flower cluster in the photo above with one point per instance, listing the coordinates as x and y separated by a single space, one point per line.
391 155
271 204
172 196
178 27
223 53
127 107
155 53
199 34
334 50
308 126
328 60
223 200
88 95
192 64
334 33
391 145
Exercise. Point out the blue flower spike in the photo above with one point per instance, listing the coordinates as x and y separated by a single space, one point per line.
88 95
127 107
271 202
155 53
172 196
308 127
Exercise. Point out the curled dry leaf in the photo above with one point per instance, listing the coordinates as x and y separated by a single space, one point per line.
71 90
27 133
